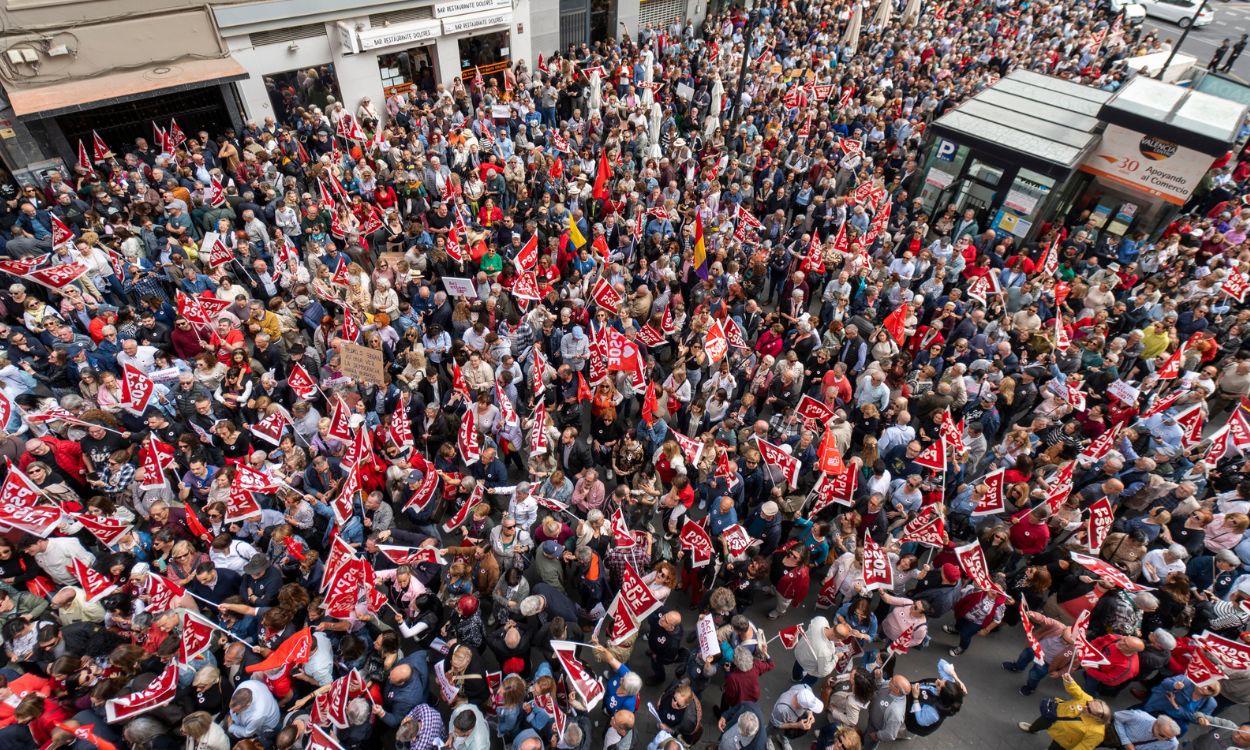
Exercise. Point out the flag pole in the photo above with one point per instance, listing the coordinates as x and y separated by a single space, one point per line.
889 658
157 460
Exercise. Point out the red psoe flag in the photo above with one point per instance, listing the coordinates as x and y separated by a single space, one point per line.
621 534
94 584
1101 516
301 383
588 687
716 342
197 637
467 439
1039 656
1202 671
791 636
776 457
878 573
894 322
695 538
294 650
158 693
639 599
137 388
995 499
972 560
107 530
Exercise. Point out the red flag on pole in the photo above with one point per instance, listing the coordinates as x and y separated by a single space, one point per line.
877 570
1038 656
294 650
197 636
100 148
600 191
94 584
160 691
467 440
583 391
107 530
84 161
791 636
893 323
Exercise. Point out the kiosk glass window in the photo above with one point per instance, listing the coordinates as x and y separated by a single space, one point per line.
944 166
1027 192
301 88
488 52
407 69
977 189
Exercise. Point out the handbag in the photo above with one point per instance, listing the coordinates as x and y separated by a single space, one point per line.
1049 709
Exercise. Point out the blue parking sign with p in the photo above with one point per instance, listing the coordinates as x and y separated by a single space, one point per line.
946 150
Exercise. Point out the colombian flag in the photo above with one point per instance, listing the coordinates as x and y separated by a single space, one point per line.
575 235
700 250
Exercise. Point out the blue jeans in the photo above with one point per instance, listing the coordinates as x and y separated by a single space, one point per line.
1037 671
967 630
798 675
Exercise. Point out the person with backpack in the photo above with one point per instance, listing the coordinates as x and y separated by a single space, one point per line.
1078 722
934 701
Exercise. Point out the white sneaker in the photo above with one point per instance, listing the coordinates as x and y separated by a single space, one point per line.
1024 726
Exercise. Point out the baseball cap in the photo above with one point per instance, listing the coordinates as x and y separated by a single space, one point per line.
769 508
808 700
551 548
258 564
950 571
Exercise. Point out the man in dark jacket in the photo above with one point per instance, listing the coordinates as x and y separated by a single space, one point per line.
664 645
261 582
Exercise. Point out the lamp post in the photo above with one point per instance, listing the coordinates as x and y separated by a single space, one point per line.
753 19
1180 42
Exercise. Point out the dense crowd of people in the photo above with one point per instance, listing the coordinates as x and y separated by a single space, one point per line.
419 427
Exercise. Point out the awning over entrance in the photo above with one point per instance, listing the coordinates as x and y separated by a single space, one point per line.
1042 122
88 93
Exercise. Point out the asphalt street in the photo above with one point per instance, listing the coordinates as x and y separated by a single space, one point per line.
1232 19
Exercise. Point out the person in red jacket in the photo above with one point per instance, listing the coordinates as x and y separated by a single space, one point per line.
977 613
742 682
66 455
791 577
1121 653
1029 533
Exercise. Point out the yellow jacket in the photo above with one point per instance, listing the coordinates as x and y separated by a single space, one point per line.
1076 730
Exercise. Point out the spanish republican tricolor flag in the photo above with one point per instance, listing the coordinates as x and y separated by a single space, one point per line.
700 249
575 235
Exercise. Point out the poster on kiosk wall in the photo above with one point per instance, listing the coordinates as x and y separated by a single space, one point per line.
1148 164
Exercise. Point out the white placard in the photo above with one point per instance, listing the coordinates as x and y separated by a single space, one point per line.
457 287
206 245
1125 392
450 690
685 92
708 645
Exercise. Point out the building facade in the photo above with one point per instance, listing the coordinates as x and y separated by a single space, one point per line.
119 68
109 66
347 51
